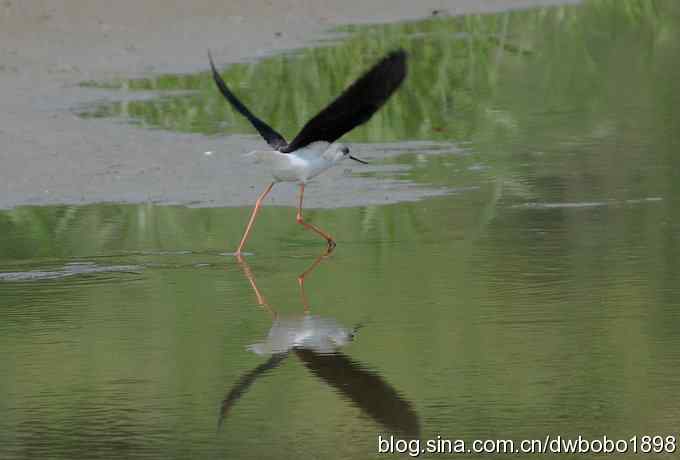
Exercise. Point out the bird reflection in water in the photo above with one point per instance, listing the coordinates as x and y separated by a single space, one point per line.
316 342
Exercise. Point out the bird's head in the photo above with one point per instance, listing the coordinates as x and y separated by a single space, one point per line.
338 152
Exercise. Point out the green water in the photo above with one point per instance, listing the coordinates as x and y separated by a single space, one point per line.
541 298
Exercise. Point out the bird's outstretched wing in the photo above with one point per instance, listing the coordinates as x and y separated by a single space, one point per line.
273 138
356 105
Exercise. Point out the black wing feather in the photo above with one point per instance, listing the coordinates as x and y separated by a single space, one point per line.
273 138
356 105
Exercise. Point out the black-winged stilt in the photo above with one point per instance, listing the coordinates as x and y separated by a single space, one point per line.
314 149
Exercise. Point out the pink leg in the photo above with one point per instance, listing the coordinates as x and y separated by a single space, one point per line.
258 203
329 239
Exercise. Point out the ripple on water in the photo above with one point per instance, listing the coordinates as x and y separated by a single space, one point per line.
70 269
587 204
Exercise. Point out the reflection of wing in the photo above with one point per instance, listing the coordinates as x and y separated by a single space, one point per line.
245 382
370 392
356 105
273 138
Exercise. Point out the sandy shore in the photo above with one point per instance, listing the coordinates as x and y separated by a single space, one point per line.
48 155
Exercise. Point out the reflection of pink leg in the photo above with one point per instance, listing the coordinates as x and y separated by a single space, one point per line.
258 203
298 218
251 278
301 278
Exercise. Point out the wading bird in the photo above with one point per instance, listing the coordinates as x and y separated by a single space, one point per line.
314 149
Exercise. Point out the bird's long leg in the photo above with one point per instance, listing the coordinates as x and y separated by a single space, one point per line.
258 203
298 218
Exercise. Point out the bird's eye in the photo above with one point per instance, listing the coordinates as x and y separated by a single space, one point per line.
345 150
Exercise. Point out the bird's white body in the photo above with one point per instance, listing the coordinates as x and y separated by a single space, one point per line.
303 164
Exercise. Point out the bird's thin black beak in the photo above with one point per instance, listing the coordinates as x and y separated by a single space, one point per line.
356 159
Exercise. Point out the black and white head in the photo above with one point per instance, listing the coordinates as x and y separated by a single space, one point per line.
338 152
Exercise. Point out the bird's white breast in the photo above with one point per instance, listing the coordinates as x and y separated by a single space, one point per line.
298 166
